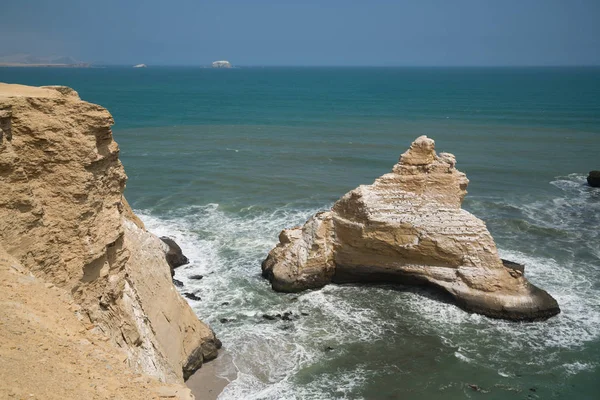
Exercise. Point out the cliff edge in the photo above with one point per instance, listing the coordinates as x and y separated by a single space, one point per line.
408 227
64 220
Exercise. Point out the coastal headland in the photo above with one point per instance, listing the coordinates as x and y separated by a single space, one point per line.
88 306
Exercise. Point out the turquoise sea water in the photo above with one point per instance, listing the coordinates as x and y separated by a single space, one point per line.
224 159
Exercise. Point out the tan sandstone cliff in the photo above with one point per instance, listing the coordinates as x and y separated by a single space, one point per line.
408 227
63 218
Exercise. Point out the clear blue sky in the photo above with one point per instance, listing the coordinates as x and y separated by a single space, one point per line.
307 32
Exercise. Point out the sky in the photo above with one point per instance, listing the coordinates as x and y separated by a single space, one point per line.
307 32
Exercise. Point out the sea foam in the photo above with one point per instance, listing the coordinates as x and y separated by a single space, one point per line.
271 356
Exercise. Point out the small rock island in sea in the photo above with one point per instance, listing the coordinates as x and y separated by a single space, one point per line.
408 227
221 64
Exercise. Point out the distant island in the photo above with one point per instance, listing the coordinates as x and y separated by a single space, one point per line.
221 64
28 60
140 66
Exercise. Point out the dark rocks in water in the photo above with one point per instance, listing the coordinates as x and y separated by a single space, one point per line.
593 179
192 296
287 316
193 363
329 348
196 277
225 303
305 314
513 265
174 255
224 320
177 283
206 352
477 388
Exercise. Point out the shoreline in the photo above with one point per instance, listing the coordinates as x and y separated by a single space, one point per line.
207 383
21 65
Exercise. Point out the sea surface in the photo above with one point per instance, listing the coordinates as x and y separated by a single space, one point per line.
222 160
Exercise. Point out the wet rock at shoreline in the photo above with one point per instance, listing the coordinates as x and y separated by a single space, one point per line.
173 254
177 283
192 296
593 179
286 316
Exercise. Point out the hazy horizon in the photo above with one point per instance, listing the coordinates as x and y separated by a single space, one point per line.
463 33
207 65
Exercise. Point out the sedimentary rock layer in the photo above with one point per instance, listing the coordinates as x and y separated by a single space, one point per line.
64 218
408 227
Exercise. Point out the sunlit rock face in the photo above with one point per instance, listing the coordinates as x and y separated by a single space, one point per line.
408 227
63 217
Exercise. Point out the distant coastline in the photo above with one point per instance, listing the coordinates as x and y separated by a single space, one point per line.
25 65
29 60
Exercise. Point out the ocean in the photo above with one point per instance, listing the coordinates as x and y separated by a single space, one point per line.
222 160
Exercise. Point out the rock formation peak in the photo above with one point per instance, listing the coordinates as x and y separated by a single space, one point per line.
420 152
408 227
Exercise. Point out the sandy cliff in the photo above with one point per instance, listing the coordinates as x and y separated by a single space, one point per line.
63 218
48 351
408 227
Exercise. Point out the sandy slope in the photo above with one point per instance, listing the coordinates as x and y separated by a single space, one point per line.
46 352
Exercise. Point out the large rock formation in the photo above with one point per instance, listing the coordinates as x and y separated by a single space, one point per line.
408 227
64 218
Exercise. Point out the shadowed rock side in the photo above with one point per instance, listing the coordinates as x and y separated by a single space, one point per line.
408 227
593 179
173 254
64 218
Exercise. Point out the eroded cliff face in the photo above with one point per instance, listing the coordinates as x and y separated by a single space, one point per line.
408 227
64 218
48 351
